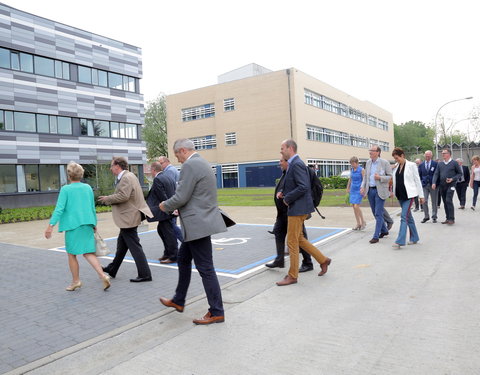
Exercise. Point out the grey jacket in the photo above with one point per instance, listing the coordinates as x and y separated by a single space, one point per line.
385 172
196 200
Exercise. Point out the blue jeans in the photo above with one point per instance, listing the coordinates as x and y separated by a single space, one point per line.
377 204
406 221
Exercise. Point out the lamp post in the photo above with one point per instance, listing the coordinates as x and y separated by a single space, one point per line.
436 116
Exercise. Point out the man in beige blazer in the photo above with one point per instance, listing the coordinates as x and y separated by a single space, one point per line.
128 210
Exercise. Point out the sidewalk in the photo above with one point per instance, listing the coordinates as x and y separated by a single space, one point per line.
377 311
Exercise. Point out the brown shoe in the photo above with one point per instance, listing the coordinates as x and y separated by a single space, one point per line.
324 267
167 261
209 319
287 280
450 222
170 303
162 258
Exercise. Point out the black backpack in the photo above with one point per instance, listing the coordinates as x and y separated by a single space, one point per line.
317 190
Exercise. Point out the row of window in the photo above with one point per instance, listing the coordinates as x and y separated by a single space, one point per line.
50 177
328 168
209 142
206 110
323 102
40 123
318 134
29 63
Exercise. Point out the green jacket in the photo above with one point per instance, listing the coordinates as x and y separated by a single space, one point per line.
75 207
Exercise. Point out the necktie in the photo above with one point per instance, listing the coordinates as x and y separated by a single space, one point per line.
428 166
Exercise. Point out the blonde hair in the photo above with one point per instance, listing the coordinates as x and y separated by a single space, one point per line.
74 171
476 158
353 159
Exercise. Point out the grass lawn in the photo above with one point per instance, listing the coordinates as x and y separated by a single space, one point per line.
264 197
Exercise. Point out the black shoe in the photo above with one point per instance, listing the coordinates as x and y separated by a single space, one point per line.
305 268
110 273
275 265
426 219
434 221
374 240
383 235
141 279
389 226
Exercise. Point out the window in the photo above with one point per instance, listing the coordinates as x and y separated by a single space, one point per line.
102 128
66 70
25 122
4 58
102 78
84 74
2 121
131 131
200 112
44 66
229 104
230 139
31 178
115 81
64 125
86 127
114 127
15 60
62 70
372 121
8 179
53 125
49 177
205 143
8 120
26 62
43 125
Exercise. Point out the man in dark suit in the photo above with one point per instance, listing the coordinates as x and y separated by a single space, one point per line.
128 208
196 202
163 188
280 228
447 174
462 184
296 194
426 170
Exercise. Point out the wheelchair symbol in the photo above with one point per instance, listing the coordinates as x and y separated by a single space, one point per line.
230 241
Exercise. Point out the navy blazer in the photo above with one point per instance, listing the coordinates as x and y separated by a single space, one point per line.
427 176
297 190
163 188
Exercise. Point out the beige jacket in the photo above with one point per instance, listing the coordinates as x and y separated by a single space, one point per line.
128 202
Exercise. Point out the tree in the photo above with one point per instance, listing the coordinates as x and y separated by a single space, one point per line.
414 137
155 129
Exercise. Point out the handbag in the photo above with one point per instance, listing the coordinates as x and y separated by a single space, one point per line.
100 246
226 219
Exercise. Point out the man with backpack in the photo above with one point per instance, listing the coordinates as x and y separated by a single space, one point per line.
296 194
280 228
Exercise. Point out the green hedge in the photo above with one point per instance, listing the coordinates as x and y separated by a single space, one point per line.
16 215
334 182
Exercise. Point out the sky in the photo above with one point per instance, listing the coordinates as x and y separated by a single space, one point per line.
408 57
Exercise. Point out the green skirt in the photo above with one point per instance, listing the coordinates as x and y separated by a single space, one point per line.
80 240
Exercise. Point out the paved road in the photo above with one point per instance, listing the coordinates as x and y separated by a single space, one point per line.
377 311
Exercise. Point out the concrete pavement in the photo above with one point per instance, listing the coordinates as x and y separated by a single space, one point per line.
377 311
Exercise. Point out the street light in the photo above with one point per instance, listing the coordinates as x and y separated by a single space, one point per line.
436 116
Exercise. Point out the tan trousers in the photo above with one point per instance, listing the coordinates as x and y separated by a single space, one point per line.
295 240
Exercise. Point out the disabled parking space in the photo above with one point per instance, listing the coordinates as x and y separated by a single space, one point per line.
239 251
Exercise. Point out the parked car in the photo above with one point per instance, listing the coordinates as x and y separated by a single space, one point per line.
345 174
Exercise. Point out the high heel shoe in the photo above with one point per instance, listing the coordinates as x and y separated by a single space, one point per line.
73 286
362 227
356 228
106 282
396 246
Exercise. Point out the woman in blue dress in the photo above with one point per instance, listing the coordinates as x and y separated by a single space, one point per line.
75 210
353 187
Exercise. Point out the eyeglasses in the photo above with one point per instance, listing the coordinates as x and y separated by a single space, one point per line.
444 153
373 150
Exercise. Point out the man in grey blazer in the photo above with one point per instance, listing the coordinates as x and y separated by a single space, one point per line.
375 185
196 201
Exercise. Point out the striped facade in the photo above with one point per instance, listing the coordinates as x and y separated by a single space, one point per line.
65 94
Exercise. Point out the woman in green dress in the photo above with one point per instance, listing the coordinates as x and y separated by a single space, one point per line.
75 210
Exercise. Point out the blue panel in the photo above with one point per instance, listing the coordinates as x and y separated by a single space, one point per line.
261 174
219 176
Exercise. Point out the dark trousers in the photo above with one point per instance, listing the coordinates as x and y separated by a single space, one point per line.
201 252
461 189
177 230
447 192
280 231
128 240
166 233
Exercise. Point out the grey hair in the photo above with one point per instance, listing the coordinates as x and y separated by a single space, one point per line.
459 159
183 143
